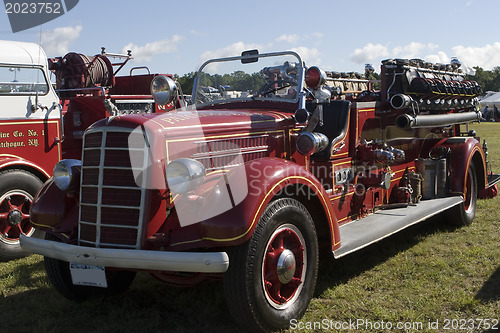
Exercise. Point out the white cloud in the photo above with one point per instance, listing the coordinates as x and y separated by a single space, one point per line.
232 50
376 52
149 50
440 57
292 38
368 53
412 50
486 57
311 56
57 41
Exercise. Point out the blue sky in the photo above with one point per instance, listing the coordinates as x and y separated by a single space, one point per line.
177 36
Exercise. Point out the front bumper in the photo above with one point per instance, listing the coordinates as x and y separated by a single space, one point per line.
202 262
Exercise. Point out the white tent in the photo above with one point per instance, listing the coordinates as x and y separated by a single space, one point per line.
490 100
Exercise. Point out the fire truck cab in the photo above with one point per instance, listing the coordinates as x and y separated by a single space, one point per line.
270 161
30 138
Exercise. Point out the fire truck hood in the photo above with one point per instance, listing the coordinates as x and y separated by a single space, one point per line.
185 123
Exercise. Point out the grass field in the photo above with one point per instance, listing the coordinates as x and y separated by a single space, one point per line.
423 278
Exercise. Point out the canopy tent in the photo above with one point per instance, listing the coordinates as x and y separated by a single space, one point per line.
490 100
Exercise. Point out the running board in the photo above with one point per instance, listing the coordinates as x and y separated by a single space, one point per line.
357 234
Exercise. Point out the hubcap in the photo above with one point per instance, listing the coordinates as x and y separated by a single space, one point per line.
284 266
14 216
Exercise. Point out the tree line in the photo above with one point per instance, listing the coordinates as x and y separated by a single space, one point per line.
489 80
237 80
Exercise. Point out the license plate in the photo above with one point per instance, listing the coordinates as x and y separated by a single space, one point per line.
88 275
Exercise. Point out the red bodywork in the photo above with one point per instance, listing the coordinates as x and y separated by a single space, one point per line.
22 140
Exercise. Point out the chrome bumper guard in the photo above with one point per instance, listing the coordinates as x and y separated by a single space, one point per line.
202 262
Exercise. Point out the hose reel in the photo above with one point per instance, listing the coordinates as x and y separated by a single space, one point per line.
76 71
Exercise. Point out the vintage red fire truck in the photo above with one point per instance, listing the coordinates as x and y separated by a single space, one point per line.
269 162
40 124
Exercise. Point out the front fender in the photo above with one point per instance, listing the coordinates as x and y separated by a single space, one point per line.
264 179
53 211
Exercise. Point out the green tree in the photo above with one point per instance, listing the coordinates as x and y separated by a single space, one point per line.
488 80
186 81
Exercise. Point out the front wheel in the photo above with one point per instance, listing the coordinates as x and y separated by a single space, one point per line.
17 189
59 276
271 278
464 213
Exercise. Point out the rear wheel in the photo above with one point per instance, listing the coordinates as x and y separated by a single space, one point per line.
271 278
17 189
464 213
59 276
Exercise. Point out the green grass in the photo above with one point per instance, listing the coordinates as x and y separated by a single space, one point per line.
428 273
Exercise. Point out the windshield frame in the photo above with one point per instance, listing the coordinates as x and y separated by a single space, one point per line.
40 70
300 84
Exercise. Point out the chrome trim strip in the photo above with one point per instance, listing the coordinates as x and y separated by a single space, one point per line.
229 152
234 138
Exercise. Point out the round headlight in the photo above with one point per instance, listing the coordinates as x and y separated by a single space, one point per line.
163 89
185 175
67 174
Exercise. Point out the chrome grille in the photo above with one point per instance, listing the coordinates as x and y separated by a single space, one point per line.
224 153
112 192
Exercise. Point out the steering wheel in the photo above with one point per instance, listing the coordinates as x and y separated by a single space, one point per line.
282 84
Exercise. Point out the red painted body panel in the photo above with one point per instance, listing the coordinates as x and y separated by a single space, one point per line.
266 178
32 144
54 210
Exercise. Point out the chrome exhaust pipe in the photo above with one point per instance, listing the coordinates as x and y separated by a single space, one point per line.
406 121
401 101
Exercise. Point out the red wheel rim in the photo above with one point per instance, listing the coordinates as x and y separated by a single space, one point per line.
14 216
284 266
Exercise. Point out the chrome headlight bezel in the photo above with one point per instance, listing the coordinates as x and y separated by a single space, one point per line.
163 89
184 175
66 174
